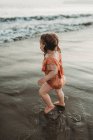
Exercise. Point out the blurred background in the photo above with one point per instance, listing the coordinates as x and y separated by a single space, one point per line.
23 19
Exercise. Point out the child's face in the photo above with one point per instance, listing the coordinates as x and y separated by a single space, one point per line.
42 45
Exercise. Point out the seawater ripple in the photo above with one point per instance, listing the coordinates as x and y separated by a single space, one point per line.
18 28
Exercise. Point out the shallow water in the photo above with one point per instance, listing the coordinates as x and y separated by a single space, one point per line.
20 63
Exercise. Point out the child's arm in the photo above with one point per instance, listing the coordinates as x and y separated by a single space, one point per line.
52 73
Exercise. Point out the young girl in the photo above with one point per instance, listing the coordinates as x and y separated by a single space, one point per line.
54 74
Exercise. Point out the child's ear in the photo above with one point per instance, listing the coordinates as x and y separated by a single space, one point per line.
56 49
44 45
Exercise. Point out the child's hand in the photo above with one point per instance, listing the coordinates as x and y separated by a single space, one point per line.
41 81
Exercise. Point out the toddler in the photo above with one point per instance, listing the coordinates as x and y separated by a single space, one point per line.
54 74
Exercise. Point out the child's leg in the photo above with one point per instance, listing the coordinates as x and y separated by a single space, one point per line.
60 95
43 92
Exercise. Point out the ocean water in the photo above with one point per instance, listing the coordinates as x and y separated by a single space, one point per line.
20 23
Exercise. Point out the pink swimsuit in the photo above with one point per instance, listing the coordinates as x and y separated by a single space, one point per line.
57 81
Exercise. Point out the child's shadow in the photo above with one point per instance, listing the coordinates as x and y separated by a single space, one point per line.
53 127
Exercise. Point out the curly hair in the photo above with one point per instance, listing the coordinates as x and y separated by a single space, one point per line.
50 41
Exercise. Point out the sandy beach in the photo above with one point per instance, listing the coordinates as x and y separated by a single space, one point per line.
21 116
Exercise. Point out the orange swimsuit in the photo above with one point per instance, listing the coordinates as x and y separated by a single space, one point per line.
57 81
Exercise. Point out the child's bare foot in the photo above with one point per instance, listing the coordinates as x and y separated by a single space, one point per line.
48 109
60 106
58 103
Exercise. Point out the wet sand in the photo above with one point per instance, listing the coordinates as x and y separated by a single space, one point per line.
21 116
